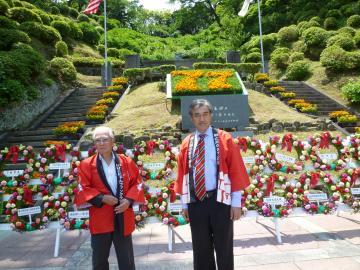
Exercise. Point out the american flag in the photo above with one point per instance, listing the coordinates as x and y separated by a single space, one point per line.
92 7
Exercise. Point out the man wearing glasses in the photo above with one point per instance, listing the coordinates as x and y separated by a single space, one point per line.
211 175
111 184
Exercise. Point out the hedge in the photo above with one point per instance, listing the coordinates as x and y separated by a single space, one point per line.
351 91
253 57
62 69
315 36
90 34
334 58
8 37
280 57
288 34
8 23
298 71
353 21
64 9
63 28
73 13
342 40
61 49
331 23
347 30
4 7
296 56
95 62
83 18
21 15
42 32
55 10
45 18
75 30
248 68
357 39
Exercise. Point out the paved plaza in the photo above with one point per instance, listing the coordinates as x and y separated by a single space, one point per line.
311 242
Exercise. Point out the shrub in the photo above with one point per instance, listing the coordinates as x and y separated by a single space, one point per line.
271 83
55 10
62 69
357 39
353 21
286 95
123 52
9 2
114 95
276 89
45 18
99 29
296 56
83 18
20 15
331 23
4 7
315 36
113 52
61 49
64 10
73 13
334 58
11 91
334 13
105 101
111 23
347 31
298 71
335 114
249 68
75 31
90 34
288 34
344 41
7 23
254 57
165 69
63 28
42 32
280 57
10 36
299 46
120 81
261 77
303 26
351 91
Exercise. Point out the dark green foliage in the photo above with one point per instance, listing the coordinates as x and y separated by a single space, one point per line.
21 14
288 34
17 3
32 92
4 7
10 3
357 39
342 40
73 13
298 71
11 91
8 37
28 5
165 69
353 21
7 23
62 69
113 52
95 62
90 34
334 13
315 36
254 57
331 23
351 91
296 56
99 29
64 9
83 18
45 18
280 57
111 23
63 28
249 68
304 26
55 10
123 52
75 30
347 30
334 59
44 33
61 49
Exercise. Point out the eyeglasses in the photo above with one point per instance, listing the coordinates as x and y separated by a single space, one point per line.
101 140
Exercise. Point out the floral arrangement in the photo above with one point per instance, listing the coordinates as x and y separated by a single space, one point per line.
115 88
321 208
120 81
219 82
55 208
276 89
286 95
335 114
114 95
69 128
16 153
270 83
308 108
97 112
261 77
105 101
347 119
293 102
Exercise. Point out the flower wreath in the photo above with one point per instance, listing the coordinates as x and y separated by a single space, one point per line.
247 143
17 153
322 141
23 198
148 148
343 188
289 142
55 208
250 199
8 185
355 148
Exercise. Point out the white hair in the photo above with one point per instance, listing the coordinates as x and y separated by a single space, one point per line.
103 129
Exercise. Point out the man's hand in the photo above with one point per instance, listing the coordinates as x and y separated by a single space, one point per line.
185 213
124 204
235 213
110 200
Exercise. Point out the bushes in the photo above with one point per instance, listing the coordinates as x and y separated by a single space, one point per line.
249 68
4 7
20 15
73 13
44 33
353 21
331 23
347 31
11 91
75 31
298 71
280 57
83 18
303 26
10 36
315 36
7 23
55 10
62 69
90 34
64 9
61 49
254 57
334 58
45 18
296 56
113 52
357 39
351 91
344 41
288 34
63 28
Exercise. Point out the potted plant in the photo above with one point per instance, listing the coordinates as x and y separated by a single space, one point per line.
69 130
347 120
336 114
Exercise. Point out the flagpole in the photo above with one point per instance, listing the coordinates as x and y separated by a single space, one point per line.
105 36
261 41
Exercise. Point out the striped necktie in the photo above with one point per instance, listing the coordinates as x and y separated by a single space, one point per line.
199 164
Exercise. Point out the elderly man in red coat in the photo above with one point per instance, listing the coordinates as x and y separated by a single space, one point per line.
110 183
211 175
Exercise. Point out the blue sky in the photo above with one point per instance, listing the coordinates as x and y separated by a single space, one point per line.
158 5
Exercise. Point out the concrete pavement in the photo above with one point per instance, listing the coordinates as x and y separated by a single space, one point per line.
318 242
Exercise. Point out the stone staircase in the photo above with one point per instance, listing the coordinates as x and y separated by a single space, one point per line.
72 108
324 103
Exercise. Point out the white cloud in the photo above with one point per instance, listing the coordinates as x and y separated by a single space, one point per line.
159 5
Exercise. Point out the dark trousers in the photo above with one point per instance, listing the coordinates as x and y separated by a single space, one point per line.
101 244
211 228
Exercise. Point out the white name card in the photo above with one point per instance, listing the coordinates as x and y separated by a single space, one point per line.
249 160
274 200
136 208
285 158
329 156
35 181
175 207
154 166
13 173
320 197
355 191
78 214
84 154
59 166
29 211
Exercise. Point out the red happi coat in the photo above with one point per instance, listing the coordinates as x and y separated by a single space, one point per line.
91 185
232 172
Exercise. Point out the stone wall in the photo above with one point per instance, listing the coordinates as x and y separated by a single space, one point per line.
21 115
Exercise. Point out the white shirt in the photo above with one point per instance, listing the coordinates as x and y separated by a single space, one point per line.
210 166
110 172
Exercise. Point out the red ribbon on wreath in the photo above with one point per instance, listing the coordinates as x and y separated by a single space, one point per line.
314 179
60 151
14 152
270 184
325 140
287 142
150 145
28 198
243 144
354 177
